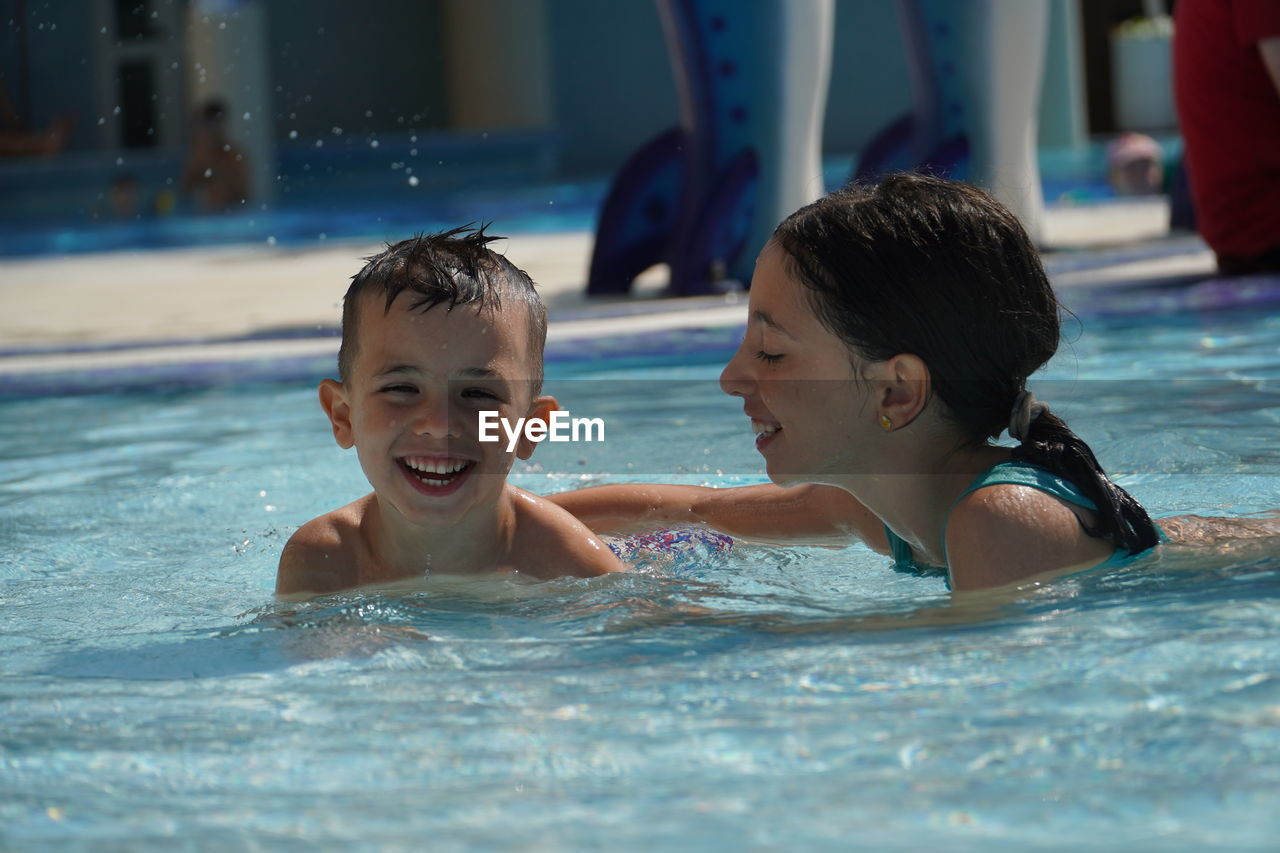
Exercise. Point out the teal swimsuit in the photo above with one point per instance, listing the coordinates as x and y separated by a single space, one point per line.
1004 473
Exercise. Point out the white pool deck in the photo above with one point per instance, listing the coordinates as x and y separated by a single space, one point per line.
86 312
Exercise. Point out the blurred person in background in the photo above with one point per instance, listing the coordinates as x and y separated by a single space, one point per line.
19 140
1135 165
1226 63
216 172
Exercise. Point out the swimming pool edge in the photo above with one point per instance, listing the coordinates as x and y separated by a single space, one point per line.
581 337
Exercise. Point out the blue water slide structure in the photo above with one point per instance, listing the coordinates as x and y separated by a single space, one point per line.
931 135
752 82
975 69
703 198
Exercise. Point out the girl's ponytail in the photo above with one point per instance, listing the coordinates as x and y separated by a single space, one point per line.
1048 442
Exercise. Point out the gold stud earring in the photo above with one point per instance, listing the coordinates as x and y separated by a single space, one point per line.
886 424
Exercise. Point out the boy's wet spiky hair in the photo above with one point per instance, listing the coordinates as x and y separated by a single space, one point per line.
455 267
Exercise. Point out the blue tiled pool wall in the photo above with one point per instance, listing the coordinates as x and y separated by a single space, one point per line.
347 189
351 190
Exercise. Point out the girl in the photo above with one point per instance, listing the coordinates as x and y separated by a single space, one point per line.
890 336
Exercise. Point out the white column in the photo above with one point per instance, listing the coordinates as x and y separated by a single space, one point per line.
793 178
1006 40
497 63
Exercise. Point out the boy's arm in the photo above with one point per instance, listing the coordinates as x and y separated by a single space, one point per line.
811 514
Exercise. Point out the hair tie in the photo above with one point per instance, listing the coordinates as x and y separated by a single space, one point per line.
1026 408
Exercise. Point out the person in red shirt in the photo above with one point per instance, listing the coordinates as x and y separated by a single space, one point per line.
1226 69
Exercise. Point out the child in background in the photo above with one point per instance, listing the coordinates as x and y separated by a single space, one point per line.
1135 165
434 330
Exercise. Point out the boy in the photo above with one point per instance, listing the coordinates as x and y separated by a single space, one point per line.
435 330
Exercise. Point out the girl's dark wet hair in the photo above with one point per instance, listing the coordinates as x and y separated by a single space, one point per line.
454 268
943 271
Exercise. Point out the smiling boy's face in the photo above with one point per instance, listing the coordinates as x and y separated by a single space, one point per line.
411 403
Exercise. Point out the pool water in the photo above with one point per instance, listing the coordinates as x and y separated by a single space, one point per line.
156 697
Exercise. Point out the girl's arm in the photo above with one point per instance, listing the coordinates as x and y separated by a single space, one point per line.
817 515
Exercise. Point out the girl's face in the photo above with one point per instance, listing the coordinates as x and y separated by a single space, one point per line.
807 403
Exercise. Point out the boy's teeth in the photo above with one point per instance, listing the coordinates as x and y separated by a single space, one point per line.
762 428
427 466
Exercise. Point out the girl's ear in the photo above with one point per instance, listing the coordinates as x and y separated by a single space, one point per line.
905 389
333 399
539 410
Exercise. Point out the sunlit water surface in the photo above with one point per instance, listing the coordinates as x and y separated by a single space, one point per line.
154 695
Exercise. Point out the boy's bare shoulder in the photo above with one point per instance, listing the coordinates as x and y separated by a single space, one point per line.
323 555
551 543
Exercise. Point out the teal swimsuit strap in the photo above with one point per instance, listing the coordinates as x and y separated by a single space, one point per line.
1011 473
899 550
1016 473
